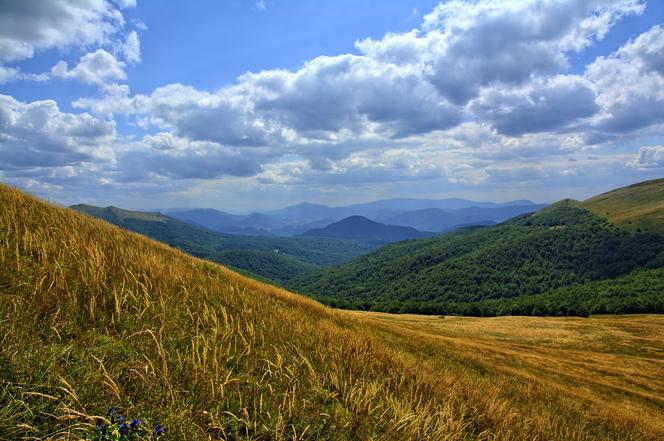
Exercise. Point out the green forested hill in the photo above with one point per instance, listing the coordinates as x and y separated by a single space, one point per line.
274 258
482 271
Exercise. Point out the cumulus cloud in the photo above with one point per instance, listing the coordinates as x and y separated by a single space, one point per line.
505 57
480 93
648 158
8 74
96 67
631 84
483 43
27 26
375 166
168 156
38 134
539 107
130 48
115 99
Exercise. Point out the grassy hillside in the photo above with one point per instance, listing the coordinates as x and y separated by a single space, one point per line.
533 254
636 207
275 258
92 316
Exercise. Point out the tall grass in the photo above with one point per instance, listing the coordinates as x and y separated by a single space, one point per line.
92 316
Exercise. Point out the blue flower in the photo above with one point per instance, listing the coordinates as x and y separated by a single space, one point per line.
124 430
157 431
134 424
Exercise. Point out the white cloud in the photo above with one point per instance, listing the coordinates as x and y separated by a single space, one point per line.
630 84
481 94
38 134
8 74
479 44
648 158
130 48
27 26
539 107
97 67
115 99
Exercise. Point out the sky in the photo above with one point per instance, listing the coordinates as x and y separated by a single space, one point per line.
246 105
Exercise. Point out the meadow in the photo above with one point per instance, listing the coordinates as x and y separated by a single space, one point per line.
93 317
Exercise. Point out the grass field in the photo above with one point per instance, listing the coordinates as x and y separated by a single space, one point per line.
92 317
613 363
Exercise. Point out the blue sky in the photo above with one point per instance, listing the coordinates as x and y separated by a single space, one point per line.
245 105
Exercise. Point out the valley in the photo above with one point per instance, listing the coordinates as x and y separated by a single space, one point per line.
93 317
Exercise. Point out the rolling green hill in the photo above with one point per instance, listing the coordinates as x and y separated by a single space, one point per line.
636 207
518 267
274 258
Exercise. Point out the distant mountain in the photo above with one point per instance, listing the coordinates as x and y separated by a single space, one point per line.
215 220
436 219
561 260
273 258
254 224
382 209
361 228
304 212
300 218
207 217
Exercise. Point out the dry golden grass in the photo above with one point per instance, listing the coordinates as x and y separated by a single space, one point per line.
92 316
614 362
637 206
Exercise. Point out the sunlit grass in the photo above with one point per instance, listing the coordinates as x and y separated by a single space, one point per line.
638 206
93 316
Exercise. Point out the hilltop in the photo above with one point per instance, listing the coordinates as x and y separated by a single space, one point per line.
635 207
361 228
93 316
561 260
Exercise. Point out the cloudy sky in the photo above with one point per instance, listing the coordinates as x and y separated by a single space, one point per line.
248 105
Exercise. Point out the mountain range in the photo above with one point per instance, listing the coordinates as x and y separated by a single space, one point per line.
436 215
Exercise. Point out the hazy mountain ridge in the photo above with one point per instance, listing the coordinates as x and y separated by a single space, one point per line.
415 213
439 220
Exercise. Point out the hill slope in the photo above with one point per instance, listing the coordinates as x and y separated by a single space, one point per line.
273 258
638 206
466 271
361 228
92 316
